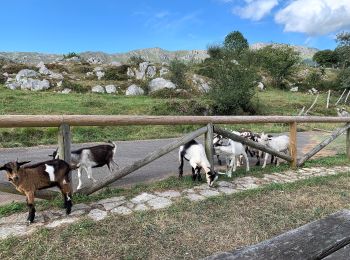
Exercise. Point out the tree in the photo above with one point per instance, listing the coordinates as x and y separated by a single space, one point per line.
178 73
235 42
279 61
232 88
326 58
343 49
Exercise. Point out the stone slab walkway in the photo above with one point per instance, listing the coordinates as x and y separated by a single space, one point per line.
15 224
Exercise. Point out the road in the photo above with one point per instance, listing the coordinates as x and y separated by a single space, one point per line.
127 152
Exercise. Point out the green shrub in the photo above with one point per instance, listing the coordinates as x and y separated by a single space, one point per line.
14 68
2 78
135 60
83 69
116 73
57 67
232 88
177 74
70 55
343 79
74 86
183 107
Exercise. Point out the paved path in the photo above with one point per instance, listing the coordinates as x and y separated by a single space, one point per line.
15 224
127 152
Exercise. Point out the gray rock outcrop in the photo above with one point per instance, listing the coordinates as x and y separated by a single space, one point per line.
134 90
110 89
160 83
98 89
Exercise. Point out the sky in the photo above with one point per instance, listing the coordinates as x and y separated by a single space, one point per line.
114 26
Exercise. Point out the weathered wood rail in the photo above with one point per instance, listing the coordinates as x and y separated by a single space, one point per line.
65 121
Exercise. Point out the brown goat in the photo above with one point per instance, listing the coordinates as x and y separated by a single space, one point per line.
28 179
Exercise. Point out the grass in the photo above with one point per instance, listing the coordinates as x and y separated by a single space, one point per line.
173 183
190 230
272 102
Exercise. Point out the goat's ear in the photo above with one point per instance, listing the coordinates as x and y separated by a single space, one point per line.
21 163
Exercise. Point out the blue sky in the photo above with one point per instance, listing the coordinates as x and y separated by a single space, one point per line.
61 26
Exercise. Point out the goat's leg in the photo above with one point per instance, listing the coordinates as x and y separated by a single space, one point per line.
246 161
218 157
79 178
89 172
265 160
181 167
194 174
30 204
199 176
66 190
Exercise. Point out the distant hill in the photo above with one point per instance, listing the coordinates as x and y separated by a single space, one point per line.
157 55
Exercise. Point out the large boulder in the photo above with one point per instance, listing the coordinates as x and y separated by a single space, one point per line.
110 89
34 84
134 90
130 72
26 73
98 89
160 83
151 71
94 60
200 83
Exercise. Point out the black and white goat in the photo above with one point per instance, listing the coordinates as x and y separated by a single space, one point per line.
28 179
92 157
233 151
278 143
195 154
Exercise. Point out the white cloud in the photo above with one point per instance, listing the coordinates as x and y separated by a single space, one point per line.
315 17
256 9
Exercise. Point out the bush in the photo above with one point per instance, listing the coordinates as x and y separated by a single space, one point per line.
343 79
74 86
232 89
183 107
313 79
57 67
83 69
177 74
14 68
135 60
2 78
70 55
116 73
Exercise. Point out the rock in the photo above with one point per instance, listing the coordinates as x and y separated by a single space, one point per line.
98 89
55 75
134 90
13 230
151 71
163 71
25 73
169 194
227 190
116 63
209 193
96 69
61 222
122 210
90 73
141 207
110 89
45 71
160 83
130 73
111 203
195 197
20 218
34 84
200 83
159 203
94 60
12 85
261 86
143 197
294 89
59 84
97 214
100 74
66 91
80 206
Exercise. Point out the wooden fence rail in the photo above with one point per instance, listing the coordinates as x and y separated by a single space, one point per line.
64 122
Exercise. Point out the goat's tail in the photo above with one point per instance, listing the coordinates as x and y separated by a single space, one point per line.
114 144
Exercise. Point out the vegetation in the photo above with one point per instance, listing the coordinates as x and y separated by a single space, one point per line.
280 62
116 73
177 74
70 55
326 58
343 49
235 43
238 220
135 60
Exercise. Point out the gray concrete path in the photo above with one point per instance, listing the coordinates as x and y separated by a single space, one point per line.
127 152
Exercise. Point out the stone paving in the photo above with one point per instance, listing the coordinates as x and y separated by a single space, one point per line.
16 225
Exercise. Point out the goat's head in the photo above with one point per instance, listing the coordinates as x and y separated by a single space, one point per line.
264 138
12 169
54 155
211 177
217 140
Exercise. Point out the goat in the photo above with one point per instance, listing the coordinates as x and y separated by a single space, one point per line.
31 178
232 150
195 154
92 157
278 143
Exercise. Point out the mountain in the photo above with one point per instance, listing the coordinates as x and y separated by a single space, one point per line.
157 55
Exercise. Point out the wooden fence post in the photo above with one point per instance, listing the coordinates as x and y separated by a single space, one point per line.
348 143
293 144
209 145
64 141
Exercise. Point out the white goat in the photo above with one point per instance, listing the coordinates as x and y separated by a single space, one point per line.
232 150
278 143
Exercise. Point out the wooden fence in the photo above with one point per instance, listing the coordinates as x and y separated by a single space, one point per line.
64 137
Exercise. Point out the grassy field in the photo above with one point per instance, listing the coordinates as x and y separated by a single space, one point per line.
272 102
190 230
